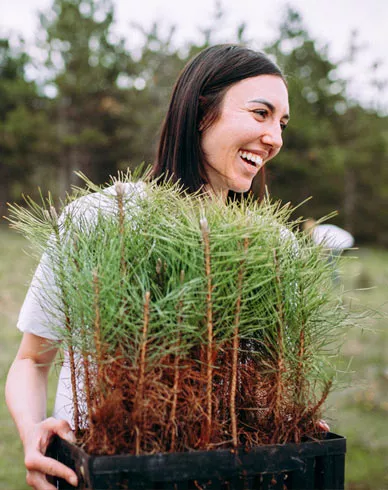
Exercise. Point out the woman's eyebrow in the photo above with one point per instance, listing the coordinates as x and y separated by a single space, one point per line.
270 106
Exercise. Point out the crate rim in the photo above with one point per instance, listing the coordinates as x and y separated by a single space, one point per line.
216 463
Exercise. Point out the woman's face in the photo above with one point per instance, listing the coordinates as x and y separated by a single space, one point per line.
247 134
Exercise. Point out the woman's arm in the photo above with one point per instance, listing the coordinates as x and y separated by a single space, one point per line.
26 396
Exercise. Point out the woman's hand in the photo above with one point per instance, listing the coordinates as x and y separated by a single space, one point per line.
37 464
26 390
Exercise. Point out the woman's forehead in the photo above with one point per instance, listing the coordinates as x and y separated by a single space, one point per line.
254 89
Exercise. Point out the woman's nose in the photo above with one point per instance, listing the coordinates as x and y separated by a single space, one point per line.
273 137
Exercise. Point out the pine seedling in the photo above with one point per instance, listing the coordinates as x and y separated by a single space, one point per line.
189 323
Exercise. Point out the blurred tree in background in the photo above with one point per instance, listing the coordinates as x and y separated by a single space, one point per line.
335 150
101 104
85 61
25 131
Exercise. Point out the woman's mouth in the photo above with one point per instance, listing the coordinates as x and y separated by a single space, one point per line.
251 158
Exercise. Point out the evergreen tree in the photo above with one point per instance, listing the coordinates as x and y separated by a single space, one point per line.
311 162
335 149
85 62
24 126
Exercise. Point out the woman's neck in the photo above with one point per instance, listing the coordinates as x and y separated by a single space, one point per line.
214 193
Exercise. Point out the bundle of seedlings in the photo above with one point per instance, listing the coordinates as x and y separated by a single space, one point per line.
188 323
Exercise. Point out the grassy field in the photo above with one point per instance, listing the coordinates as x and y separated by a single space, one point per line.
16 268
358 410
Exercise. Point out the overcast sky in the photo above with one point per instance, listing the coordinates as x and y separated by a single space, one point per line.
328 21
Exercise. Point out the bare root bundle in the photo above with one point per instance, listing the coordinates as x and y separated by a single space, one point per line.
115 416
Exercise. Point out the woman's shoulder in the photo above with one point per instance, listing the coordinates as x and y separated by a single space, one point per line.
104 201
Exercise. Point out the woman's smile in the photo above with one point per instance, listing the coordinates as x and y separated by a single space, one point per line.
251 158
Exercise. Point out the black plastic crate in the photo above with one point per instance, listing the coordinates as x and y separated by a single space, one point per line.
310 465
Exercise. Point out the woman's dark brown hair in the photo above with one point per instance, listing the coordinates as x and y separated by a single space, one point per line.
196 101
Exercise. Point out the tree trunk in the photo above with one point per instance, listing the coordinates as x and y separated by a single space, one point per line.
4 192
349 199
71 158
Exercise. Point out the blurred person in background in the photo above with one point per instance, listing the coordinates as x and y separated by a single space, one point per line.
332 238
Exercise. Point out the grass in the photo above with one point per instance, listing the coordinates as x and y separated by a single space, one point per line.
16 269
358 410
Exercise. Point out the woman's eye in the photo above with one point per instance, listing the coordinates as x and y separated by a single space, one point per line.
260 112
283 126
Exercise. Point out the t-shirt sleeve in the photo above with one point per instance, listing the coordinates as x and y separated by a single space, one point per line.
37 315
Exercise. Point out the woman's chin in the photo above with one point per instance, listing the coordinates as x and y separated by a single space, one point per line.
241 187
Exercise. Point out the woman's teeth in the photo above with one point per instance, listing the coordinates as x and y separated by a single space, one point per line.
251 158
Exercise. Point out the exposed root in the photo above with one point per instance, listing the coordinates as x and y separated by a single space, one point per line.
139 396
209 328
233 383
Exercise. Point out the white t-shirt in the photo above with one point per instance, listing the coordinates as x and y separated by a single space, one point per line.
332 237
34 316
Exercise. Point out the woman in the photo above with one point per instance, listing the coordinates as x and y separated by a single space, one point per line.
225 121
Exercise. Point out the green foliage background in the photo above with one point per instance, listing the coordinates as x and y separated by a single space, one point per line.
108 100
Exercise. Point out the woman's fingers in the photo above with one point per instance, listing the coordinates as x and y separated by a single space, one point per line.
323 426
37 464
60 427
38 481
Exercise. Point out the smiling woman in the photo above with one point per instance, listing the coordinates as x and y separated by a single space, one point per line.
225 119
